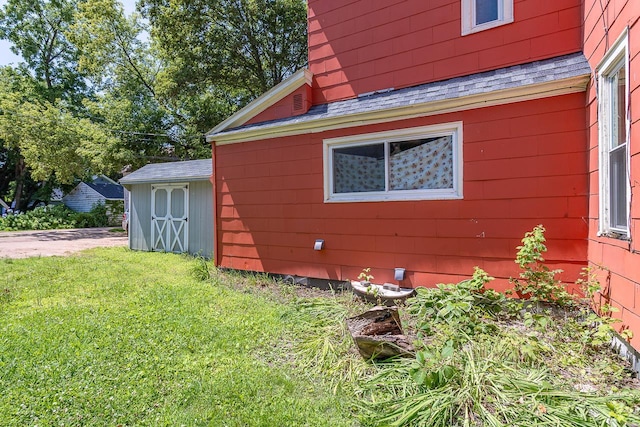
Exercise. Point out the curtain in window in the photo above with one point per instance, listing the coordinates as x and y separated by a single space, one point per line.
427 166
354 174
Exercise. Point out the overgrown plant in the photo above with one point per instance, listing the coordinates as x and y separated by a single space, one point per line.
536 281
201 268
484 359
596 327
462 307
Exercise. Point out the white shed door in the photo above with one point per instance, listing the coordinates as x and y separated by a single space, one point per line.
169 218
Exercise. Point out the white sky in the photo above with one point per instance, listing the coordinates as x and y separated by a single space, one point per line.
7 57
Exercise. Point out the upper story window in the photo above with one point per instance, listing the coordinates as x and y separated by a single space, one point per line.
478 15
410 164
613 139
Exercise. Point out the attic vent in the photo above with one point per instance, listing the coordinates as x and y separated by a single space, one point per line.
297 102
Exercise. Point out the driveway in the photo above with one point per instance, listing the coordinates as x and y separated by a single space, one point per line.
24 244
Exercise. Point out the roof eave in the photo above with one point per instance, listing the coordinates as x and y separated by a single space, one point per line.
164 179
558 87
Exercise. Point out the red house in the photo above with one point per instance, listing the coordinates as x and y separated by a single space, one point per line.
431 135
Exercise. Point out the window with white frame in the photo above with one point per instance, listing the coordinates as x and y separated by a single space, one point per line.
409 164
613 138
479 15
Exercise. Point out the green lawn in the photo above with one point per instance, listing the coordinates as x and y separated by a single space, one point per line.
114 337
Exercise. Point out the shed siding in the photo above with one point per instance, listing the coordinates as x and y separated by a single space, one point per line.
82 198
140 217
618 261
359 46
524 164
201 218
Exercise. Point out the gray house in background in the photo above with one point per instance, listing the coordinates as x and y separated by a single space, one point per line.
171 207
101 190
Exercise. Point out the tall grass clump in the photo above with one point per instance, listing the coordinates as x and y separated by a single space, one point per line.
327 346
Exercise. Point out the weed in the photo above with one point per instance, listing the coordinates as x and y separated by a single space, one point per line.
537 282
480 385
462 307
200 269
365 276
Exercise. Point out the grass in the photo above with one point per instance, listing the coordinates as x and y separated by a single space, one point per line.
114 337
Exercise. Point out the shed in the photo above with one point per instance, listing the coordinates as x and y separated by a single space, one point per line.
101 190
171 207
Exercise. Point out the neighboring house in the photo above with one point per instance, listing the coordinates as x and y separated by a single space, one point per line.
101 190
171 207
431 136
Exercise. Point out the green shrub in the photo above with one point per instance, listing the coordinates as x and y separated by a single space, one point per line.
97 217
537 281
462 307
55 217
41 218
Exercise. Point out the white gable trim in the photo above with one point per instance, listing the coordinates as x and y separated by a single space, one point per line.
266 100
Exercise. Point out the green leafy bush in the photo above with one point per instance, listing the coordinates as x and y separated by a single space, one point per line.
537 281
463 306
55 217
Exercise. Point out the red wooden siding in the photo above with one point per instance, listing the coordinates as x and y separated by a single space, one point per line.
619 259
359 46
524 164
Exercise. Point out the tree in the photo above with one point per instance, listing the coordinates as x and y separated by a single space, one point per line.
233 50
115 55
15 177
37 31
53 142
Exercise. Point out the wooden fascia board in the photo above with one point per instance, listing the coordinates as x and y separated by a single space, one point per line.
168 180
266 100
506 96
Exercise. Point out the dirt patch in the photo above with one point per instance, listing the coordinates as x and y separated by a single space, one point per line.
24 244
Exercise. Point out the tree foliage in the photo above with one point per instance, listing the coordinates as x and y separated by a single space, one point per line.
37 31
53 141
242 47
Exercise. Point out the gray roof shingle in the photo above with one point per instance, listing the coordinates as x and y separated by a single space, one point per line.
548 70
190 170
108 191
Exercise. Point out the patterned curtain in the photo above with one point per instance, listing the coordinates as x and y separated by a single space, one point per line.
355 174
427 166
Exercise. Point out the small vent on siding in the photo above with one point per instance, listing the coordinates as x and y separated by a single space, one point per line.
297 102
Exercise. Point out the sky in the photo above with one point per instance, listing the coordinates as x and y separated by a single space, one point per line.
7 57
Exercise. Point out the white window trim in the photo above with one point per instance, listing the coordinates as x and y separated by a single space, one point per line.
617 53
454 129
505 16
